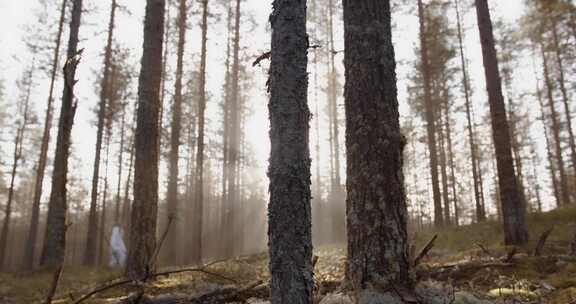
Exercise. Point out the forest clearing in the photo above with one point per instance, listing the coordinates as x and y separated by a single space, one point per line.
287 151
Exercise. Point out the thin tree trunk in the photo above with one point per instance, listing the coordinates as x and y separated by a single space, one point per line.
91 236
430 120
142 243
30 247
172 191
513 208
565 98
234 140
102 231
226 136
120 166
444 171
55 237
549 153
289 211
451 162
333 98
376 219
196 254
565 194
480 213
17 156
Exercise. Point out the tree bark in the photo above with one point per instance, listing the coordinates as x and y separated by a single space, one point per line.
564 192
234 135
289 211
90 257
565 97
549 153
376 218
120 166
55 237
198 206
513 208
30 247
430 120
102 245
172 191
142 243
17 156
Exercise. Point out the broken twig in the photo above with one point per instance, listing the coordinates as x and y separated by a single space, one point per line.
425 250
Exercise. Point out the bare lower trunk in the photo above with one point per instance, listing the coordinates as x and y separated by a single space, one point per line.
55 236
90 257
172 191
513 208
430 121
376 219
142 243
30 249
199 185
564 192
480 214
289 212
234 139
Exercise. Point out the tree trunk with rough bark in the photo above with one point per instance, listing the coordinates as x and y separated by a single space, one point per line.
564 192
142 243
564 91
90 255
430 120
30 245
376 204
480 212
234 148
24 109
289 211
172 191
55 236
198 206
513 208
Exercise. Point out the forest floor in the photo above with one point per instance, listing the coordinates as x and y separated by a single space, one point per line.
466 260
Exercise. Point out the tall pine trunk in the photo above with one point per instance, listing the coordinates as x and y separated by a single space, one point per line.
564 192
30 245
92 232
198 206
142 245
564 91
234 136
289 211
513 207
430 119
172 192
54 247
376 219
480 212
24 109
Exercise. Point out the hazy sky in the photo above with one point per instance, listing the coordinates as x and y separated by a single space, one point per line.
15 14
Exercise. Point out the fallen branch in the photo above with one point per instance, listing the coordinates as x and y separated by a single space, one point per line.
425 250
159 274
483 249
54 286
154 259
461 269
542 242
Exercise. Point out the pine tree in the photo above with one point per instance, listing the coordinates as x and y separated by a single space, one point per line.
289 211
376 219
142 244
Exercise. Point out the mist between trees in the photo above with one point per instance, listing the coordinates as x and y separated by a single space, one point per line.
444 116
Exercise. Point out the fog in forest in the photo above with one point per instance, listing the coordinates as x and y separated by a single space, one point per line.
170 128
